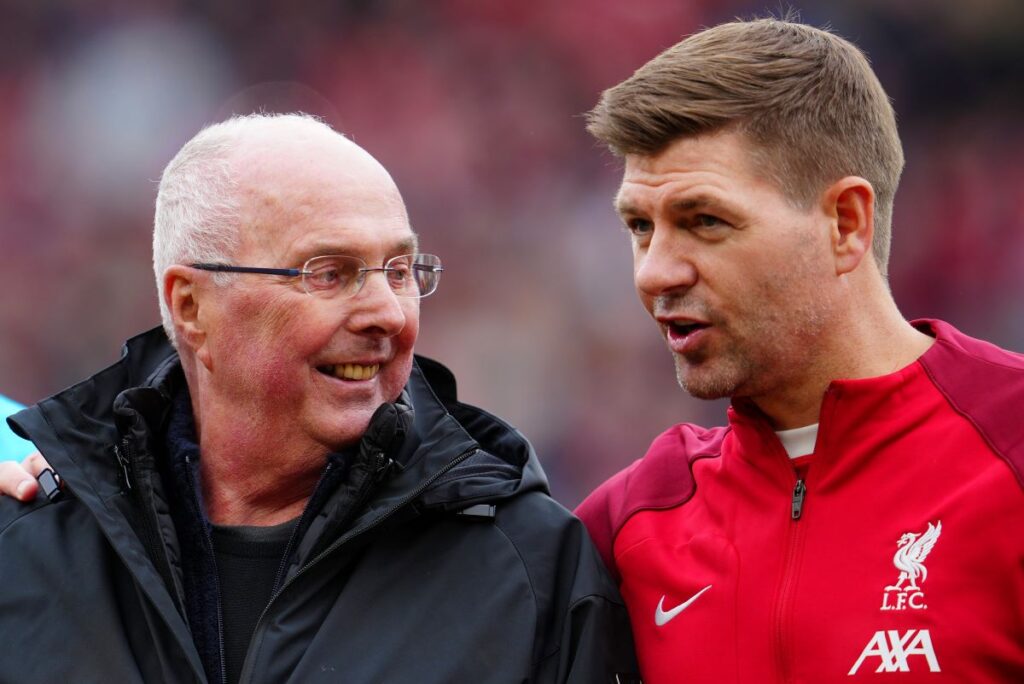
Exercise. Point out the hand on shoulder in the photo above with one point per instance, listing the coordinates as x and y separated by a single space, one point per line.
18 480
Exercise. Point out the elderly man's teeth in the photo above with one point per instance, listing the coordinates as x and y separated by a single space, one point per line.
354 371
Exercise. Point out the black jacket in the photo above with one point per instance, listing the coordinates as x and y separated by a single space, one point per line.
440 557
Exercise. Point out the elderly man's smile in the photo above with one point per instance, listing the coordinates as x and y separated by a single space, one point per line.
350 371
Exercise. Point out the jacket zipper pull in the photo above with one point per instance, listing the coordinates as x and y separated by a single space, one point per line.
799 492
120 450
384 465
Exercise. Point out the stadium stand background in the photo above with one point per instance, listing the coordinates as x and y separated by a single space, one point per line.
474 105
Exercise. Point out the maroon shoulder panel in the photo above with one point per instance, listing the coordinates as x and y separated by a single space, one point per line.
661 479
983 383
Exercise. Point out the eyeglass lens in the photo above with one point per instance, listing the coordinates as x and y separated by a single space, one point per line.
409 275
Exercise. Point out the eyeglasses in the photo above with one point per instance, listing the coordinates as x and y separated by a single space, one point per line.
336 275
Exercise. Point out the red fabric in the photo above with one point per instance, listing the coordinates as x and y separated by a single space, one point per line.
806 600
662 480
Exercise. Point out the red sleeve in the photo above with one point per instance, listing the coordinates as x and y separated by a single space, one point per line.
985 384
661 479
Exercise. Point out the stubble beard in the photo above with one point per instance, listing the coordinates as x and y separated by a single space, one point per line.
765 345
755 361
700 378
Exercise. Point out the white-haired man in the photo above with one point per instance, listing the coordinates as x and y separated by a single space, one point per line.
287 494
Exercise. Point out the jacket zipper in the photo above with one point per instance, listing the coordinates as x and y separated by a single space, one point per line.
123 453
787 597
376 522
799 492
149 536
412 496
787 586
298 526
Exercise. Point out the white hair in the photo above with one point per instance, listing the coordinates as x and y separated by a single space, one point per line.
198 211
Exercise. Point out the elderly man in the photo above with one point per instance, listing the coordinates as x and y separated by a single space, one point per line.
859 517
287 494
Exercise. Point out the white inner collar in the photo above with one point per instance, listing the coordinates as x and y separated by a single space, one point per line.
799 441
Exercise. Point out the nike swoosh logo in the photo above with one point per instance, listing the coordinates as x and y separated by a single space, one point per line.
662 616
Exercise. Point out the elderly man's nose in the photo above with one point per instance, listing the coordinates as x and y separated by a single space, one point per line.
379 309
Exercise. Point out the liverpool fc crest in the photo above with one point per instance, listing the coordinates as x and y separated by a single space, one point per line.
913 549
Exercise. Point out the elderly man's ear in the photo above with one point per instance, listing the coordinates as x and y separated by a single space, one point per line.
183 292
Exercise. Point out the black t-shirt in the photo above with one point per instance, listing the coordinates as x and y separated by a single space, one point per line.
248 559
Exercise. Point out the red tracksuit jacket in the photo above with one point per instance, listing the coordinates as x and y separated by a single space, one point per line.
894 553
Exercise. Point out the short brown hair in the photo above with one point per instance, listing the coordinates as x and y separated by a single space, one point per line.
806 98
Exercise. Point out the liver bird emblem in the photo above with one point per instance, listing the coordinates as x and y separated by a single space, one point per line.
909 558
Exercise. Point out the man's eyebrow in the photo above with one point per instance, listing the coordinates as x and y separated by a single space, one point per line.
627 208
624 207
410 244
697 202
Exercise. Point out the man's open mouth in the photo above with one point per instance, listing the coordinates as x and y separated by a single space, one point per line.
681 329
350 371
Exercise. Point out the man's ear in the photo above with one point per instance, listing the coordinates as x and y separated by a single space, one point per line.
182 294
850 202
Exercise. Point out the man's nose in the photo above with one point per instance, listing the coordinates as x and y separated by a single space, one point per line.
377 309
663 266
